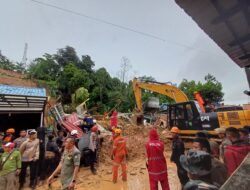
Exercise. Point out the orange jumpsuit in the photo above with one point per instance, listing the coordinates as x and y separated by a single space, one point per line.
9 138
119 154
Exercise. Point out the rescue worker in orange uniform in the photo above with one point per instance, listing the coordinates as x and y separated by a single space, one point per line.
9 135
156 162
119 155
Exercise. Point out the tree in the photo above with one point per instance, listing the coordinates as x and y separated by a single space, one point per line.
211 90
86 63
67 55
71 79
44 68
102 81
75 80
80 95
189 87
5 63
125 67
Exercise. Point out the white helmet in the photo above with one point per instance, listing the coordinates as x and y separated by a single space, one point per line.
74 132
94 121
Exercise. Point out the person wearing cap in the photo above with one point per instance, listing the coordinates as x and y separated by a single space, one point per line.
88 122
235 153
221 132
156 162
68 166
92 147
11 166
219 170
9 137
119 154
23 137
198 166
74 134
178 149
30 155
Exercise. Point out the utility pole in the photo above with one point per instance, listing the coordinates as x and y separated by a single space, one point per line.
24 60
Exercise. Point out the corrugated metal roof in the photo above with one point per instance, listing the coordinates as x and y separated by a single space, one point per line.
227 22
22 99
24 91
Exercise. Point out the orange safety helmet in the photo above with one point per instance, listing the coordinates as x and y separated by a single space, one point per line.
175 130
10 130
118 131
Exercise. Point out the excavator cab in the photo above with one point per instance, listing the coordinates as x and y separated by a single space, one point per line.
190 118
185 115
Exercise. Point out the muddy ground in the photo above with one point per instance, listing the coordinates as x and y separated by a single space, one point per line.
137 173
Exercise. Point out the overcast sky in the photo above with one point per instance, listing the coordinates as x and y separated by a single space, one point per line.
180 49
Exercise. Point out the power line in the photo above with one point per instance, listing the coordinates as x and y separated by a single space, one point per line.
100 20
118 26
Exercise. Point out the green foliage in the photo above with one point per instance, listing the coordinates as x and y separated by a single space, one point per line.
100 89
71 79
19 67
51 86
45 68
211 90
75 79
6 64
67 55
189 87
87 64
80 95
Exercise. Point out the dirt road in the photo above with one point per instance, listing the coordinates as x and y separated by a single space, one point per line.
137 179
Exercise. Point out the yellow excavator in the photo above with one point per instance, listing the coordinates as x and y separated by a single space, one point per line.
188 115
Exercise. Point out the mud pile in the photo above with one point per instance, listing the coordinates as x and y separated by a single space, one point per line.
136 137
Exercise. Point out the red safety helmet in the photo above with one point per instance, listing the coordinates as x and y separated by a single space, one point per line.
94 128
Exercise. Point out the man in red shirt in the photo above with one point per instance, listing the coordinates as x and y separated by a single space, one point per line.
119 154
236 152
156 162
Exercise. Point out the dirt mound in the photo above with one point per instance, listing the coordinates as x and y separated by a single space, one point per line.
136 137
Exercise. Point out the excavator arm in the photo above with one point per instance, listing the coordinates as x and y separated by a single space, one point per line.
162 88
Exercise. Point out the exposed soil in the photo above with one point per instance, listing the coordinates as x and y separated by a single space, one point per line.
14 78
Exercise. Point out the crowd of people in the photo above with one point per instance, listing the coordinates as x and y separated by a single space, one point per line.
38 154
207 165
